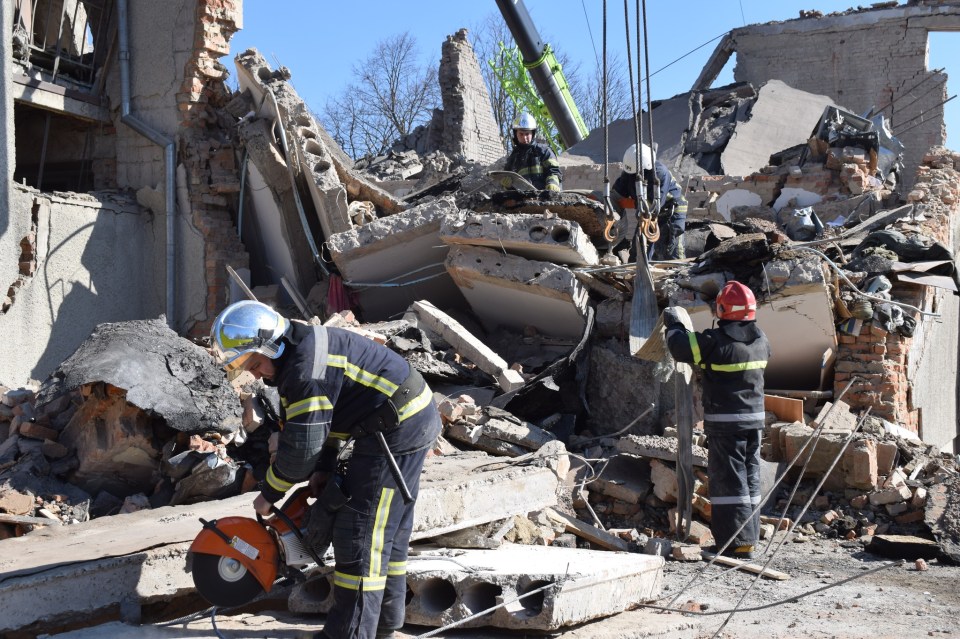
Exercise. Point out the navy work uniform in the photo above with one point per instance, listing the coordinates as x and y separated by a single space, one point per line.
537 163
672 216
322 405
732 358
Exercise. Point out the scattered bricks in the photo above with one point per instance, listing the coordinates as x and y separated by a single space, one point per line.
18 396
686 552
450 410
829 517
886 457
658 546
53 450
920 565
897 509
766 531
700 534
896 479
911 517
703 507
919 499
868 530
33 430
890 496
664 481
784 524
859 502
16 503
859 465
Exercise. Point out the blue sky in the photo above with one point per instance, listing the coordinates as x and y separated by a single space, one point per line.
320 40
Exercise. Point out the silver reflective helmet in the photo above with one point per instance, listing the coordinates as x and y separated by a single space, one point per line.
247 327
525 121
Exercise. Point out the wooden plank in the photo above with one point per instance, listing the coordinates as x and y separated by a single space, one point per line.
745 566
786 409
585 531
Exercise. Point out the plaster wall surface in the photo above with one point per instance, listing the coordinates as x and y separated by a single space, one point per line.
161 44
403 247
865 60
933 364
799 324
96 261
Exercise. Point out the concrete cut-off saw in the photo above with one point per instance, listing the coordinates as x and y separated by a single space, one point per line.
234 560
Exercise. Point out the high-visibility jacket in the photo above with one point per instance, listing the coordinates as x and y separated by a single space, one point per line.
732 357
319 411
537 163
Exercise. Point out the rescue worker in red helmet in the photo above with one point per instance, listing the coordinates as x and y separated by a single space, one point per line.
732 359
530 159
335 385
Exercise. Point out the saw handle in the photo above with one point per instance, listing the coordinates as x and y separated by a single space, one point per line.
290 524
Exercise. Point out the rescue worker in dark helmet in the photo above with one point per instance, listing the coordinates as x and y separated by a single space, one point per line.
732 359
532 160
334 385
672 214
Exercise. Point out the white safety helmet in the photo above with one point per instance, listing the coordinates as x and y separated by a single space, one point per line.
525 121
630 159
247 327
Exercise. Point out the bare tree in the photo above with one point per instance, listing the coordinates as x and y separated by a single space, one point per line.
390 95
588 92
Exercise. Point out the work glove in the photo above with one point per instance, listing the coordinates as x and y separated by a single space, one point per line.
671 316
552 192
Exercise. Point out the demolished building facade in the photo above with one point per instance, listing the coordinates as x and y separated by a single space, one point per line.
517 303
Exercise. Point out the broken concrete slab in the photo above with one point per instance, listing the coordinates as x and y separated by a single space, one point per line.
402 252
145 552
781 117
535 237
505 290
162 373
498 432
656 447
564 586
455 334
586 212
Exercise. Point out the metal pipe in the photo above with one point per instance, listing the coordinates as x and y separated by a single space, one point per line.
159 139
535 53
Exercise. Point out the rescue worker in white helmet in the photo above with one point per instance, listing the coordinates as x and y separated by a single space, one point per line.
732 359
335 385
533 160
672 213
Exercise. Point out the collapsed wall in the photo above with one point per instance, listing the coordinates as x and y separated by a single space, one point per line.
871 59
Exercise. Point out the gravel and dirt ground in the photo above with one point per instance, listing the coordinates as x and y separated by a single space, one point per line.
892 603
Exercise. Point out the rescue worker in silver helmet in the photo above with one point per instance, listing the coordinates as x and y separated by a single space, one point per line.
336 385
532 160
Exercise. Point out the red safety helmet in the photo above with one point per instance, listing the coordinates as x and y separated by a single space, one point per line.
736 302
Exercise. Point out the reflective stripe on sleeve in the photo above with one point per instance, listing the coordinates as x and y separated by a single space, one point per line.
694 348
416 404
310 404
736 368
276 483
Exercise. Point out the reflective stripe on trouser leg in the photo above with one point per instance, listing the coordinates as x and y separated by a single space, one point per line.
393 608
733 464
365 534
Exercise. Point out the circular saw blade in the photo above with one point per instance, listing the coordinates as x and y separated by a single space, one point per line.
224 581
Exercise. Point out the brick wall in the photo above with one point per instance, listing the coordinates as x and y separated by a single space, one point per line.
888 363
207 154
468 125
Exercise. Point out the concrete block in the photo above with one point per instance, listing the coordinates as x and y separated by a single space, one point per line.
467 345
626 478
404 250
535 237
505 290
859 465
564 587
